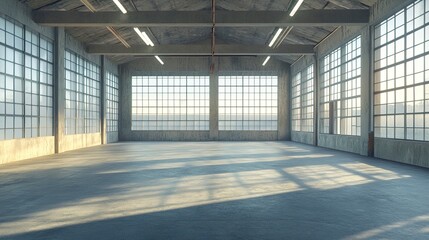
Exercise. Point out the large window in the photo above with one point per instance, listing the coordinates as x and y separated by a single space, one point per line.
340 107
112 97
82 95
401 83
302 100
248 103
170 103
26 94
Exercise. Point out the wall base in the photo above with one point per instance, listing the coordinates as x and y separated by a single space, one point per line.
20 149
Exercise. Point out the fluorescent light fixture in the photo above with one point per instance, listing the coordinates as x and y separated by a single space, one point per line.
275 37
266 60
159 60
144 37
297 5
120 6
148 41
137 30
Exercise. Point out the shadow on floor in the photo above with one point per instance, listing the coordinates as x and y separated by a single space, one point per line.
212 191
310 214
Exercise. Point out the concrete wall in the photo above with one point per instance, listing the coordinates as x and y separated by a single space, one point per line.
303 137
248 136
18 149
355 144
71 142
411 152
21 13
110 137
201 66
299 66
165 136
76 141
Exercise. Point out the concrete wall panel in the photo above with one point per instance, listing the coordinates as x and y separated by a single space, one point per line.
410 152
76 141
303 137
343 143
112 137
201 65
302 64
19 149
21 13
168 136
248 135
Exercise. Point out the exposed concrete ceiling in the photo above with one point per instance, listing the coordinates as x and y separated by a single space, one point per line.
189 35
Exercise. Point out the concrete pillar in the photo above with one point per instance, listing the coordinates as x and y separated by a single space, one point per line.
59 88
125 103
316 74
214 104
284 110
103 100
366 91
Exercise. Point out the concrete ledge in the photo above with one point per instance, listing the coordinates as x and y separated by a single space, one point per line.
343 143
72 142
20 149
409 152
167 136
248 136
303 137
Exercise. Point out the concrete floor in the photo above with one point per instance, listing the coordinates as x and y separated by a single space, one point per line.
212 190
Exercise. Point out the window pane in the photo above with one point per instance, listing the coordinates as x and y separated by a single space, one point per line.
23 100
82 95
341 88
248 103
400 89
170 103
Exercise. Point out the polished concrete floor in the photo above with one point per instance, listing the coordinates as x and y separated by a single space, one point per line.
212 190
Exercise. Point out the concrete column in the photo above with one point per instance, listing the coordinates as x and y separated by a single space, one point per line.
284 109
59 88
366 92
316 74
214 105
103 100
125 103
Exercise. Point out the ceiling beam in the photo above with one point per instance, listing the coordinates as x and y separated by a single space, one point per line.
200 50
201 18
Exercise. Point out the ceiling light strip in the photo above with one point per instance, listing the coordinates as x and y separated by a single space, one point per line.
120 6
266 60
282 36
297 5
275 37
159 60
149 42
137 30
144 37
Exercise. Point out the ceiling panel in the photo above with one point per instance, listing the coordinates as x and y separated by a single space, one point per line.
175 35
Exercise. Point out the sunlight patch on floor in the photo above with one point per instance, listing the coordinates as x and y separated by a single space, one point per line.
325 176
165 178
376 232
168 194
